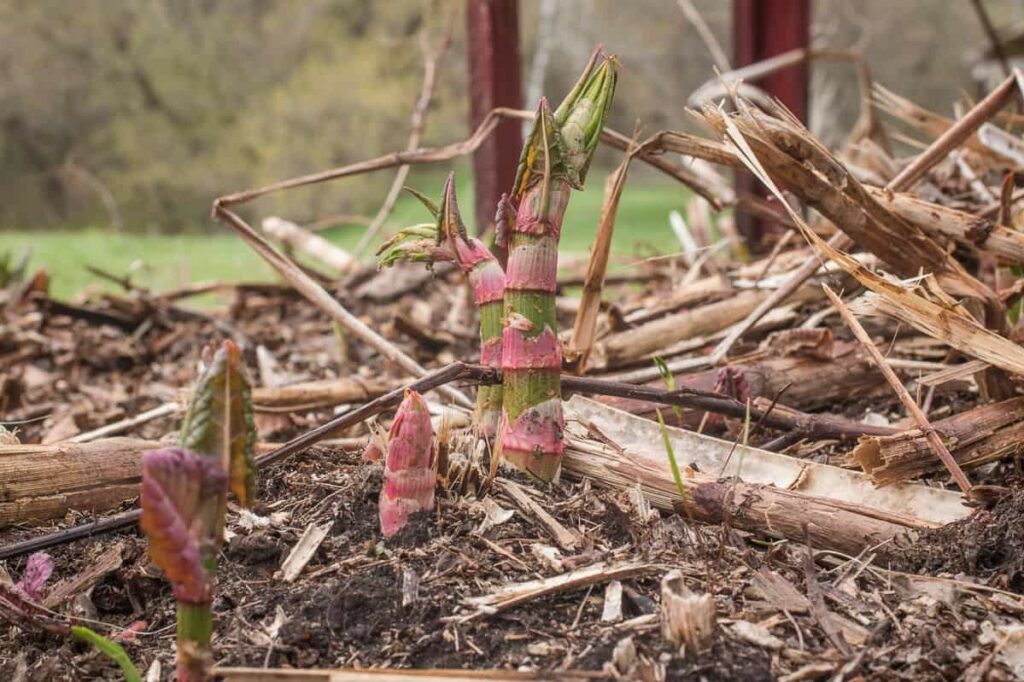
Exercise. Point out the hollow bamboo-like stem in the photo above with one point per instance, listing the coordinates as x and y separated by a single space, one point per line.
555 160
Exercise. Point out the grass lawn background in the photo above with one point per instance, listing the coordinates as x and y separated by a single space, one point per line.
162 262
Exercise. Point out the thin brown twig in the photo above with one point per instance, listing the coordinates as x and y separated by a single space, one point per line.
941 451
319 297
431 61
464 148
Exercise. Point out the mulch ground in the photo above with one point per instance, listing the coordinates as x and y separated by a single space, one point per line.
364 601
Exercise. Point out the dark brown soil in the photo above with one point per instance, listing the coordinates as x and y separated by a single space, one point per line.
989 545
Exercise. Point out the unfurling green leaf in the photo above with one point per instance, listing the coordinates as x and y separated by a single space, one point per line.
219 423
561 144
425 200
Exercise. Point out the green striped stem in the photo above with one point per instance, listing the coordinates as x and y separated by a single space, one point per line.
554 162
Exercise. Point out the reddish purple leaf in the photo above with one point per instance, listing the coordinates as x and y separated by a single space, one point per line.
179 507
38 570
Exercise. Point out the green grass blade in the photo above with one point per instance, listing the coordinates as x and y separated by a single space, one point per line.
111 649
676 475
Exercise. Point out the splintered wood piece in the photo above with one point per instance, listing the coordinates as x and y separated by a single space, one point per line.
940 449
304 550
106 563
687 619
975 437
518 593
947 141
633 344
40 482
566 539
640 441
611 611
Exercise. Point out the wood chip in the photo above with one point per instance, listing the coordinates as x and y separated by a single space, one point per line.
106 563
756 635
567 539
304 550
518 593
687 619
612 610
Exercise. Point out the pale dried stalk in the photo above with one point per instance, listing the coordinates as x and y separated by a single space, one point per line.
694 16
309 395
942 320
940 449
717 459
721 85
313 245
975 231
765 509
936 151
632 344
956 135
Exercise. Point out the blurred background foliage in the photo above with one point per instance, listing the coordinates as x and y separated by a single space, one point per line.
136 113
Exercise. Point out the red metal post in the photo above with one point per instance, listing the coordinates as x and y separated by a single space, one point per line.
492 27
761 29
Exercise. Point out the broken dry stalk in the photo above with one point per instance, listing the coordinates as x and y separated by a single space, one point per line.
585 327
409 475
687 619
555 160
940 449
449 240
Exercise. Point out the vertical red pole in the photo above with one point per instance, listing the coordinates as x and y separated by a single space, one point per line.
762 29
492 28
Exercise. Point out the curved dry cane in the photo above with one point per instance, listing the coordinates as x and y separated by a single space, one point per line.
554 162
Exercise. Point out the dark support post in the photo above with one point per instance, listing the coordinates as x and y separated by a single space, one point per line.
762 29
492 27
